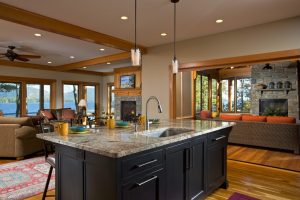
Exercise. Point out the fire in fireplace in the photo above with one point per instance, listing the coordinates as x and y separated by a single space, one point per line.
278 107
128 110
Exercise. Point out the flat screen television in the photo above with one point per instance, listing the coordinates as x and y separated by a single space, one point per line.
127 81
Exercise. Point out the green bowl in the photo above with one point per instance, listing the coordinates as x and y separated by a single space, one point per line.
78 128
121 123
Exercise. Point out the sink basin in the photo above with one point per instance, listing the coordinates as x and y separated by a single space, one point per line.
167 132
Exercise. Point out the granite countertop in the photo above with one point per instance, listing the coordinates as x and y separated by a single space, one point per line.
121 142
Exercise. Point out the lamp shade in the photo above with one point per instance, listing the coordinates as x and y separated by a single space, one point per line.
175 65
82 103
136 57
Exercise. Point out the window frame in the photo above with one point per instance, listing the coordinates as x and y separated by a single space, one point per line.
23 81
81 93
229 93
109 94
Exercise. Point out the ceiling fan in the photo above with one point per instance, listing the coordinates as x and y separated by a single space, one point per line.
11 55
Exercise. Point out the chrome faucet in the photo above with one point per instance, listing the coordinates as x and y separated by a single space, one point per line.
159 110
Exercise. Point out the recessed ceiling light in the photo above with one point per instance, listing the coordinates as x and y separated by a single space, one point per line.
37 34
163 34
49 62
232 67
218 21
108 63
84 67
102 49
124 18
72 57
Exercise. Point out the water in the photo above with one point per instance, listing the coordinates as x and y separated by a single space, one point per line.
9 109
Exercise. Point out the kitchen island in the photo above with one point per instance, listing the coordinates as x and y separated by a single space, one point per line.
120 164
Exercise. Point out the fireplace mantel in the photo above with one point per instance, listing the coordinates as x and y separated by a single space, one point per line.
128 92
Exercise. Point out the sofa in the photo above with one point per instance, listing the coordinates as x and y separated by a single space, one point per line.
60 114
18 137
265 131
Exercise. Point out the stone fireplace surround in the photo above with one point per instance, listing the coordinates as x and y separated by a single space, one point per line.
282 71
118 103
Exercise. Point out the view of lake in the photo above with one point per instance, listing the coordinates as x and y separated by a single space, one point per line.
9 109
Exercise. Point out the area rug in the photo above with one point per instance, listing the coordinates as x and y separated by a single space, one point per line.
238 196
26 178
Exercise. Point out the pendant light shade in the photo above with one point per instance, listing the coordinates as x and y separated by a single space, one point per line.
136 56
175 63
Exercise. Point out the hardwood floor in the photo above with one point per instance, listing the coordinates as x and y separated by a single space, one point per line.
258 181
266 183
283 160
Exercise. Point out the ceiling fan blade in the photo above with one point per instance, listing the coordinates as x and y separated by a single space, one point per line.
22 59
29 56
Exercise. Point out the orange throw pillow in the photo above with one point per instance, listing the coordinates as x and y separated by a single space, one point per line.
204 114
279 120
230 117
254 118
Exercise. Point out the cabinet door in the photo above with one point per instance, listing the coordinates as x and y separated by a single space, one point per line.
196 184
69 173
216 163
149 187
177 162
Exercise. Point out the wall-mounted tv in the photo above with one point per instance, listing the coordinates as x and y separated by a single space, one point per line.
127 81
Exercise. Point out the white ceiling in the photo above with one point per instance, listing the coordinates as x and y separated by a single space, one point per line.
195 18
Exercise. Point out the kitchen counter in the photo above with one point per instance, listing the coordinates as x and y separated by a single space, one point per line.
119 142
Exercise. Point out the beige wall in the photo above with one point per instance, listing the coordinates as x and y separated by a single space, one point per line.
184 95
276 36
58 76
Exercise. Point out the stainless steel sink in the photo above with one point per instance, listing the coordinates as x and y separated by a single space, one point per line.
167 132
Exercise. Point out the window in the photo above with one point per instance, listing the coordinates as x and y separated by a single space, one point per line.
70 96
236 95
206 93
214 95
10 98
90 97
73 92
243 94
110 98
25 96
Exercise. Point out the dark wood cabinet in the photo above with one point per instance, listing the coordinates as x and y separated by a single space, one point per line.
196 172
147 187
216 160
177 158
187 170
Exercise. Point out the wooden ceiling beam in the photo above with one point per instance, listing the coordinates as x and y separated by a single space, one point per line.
94 61
25 65
34 20
243 60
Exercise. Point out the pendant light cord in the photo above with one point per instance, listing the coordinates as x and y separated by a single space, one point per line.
135 26
174 31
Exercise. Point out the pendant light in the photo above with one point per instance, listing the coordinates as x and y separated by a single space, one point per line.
136 56
175 64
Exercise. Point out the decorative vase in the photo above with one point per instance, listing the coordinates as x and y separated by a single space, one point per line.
271 85
279 85
287 85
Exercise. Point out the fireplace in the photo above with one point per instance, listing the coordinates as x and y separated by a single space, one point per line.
128 110
273 107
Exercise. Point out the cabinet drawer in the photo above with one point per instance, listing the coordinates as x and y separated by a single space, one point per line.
218 137
141 163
